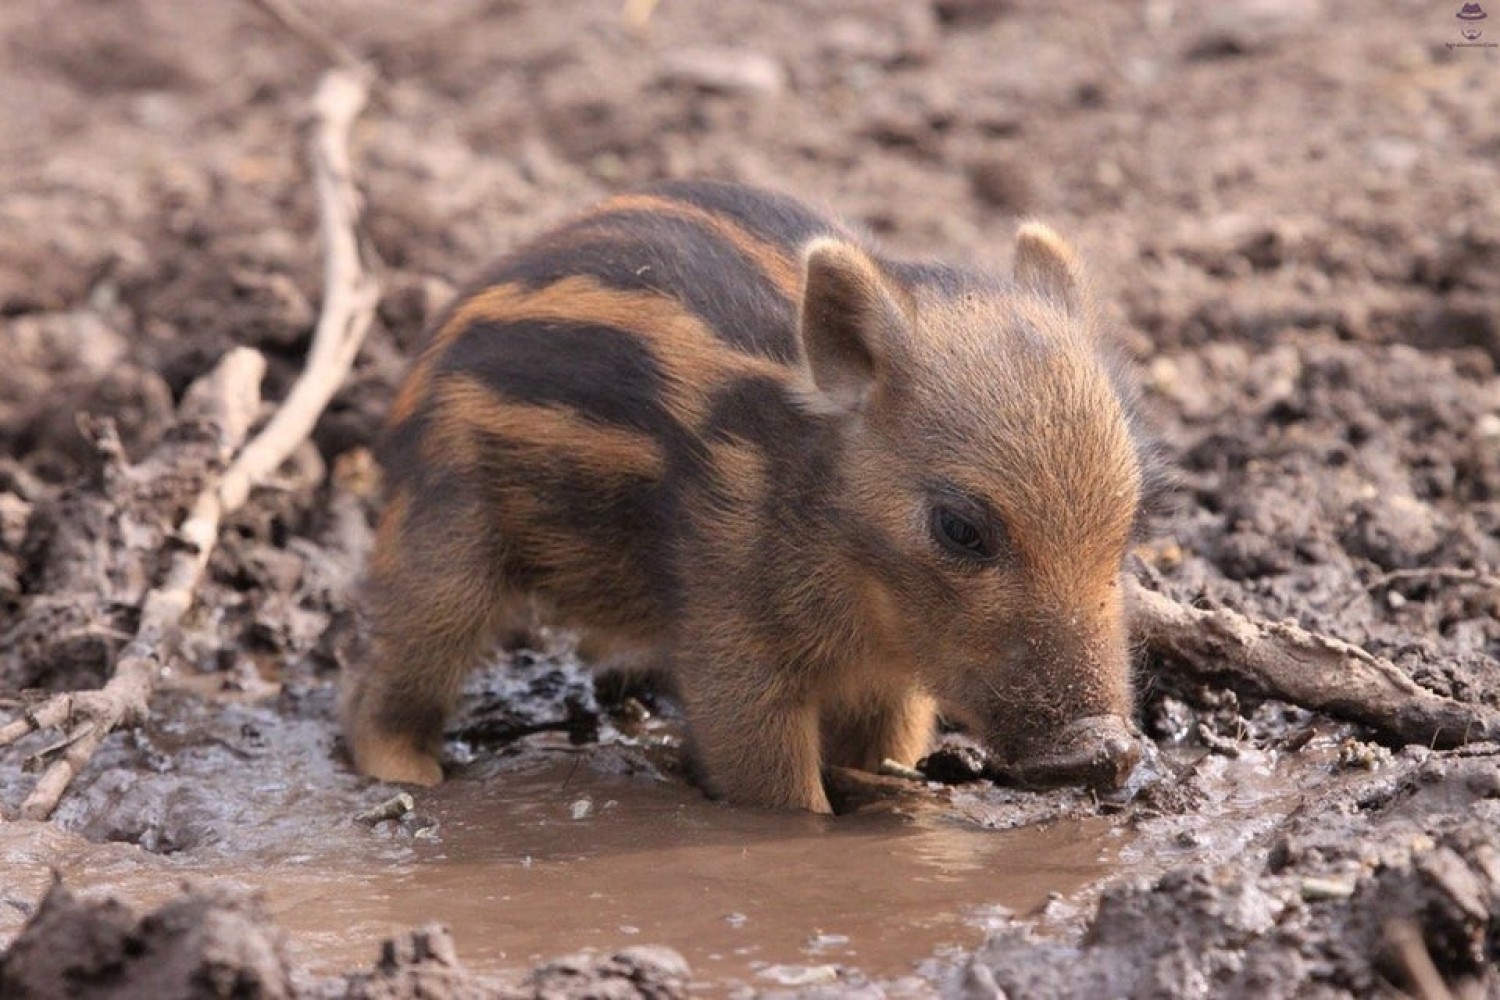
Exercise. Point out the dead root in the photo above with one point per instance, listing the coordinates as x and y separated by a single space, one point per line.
202 468
1321 673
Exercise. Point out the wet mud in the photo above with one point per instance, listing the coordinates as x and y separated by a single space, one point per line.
545 841
1289 207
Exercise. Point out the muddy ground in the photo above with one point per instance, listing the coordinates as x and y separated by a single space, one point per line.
1293 209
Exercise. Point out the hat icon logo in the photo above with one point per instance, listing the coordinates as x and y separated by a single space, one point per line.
1470 17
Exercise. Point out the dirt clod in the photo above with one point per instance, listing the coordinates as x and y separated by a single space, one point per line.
646 973
209 942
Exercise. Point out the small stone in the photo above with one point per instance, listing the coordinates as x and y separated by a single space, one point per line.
801 975
1170 719
1392 155
1358 755
724 71
395 807
1163 374
1314 889
1484 782
823 942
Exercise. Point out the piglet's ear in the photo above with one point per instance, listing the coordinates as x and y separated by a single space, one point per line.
852 320
1047 266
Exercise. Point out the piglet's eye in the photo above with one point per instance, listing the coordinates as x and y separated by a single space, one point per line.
959 535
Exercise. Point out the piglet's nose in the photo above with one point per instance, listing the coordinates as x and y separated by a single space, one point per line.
1099 751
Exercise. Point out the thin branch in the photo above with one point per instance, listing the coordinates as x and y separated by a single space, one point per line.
350 290
1447 574
1280 660
227 398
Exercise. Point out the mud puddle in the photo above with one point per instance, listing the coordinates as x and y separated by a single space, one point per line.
541 847
555 856
742 895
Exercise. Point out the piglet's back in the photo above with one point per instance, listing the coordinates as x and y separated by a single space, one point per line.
570 394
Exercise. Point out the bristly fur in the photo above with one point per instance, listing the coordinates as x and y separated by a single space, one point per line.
714 431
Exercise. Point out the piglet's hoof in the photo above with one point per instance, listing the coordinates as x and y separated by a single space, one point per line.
391 760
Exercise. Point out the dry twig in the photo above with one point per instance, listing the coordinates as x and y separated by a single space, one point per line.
350 292
1281 660
226 400
1444 574
1447 574
229 398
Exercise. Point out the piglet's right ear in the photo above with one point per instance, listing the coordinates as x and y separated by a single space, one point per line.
1048 266
852 319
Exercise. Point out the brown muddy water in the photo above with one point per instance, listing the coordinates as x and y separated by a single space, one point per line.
541 847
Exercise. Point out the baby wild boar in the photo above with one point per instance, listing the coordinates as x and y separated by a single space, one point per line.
831 493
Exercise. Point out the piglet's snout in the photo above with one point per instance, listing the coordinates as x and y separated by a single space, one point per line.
1099 751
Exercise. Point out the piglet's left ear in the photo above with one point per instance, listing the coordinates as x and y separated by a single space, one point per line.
1047 266
853 321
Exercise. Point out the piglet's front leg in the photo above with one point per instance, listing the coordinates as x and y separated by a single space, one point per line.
755 747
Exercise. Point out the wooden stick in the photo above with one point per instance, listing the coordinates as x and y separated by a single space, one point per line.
1280 660
1444 574
231 393
1447 574
350 291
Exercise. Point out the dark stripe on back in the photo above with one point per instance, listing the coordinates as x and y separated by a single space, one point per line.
645 251
627 520
605 374
774 218
758 409
799 449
